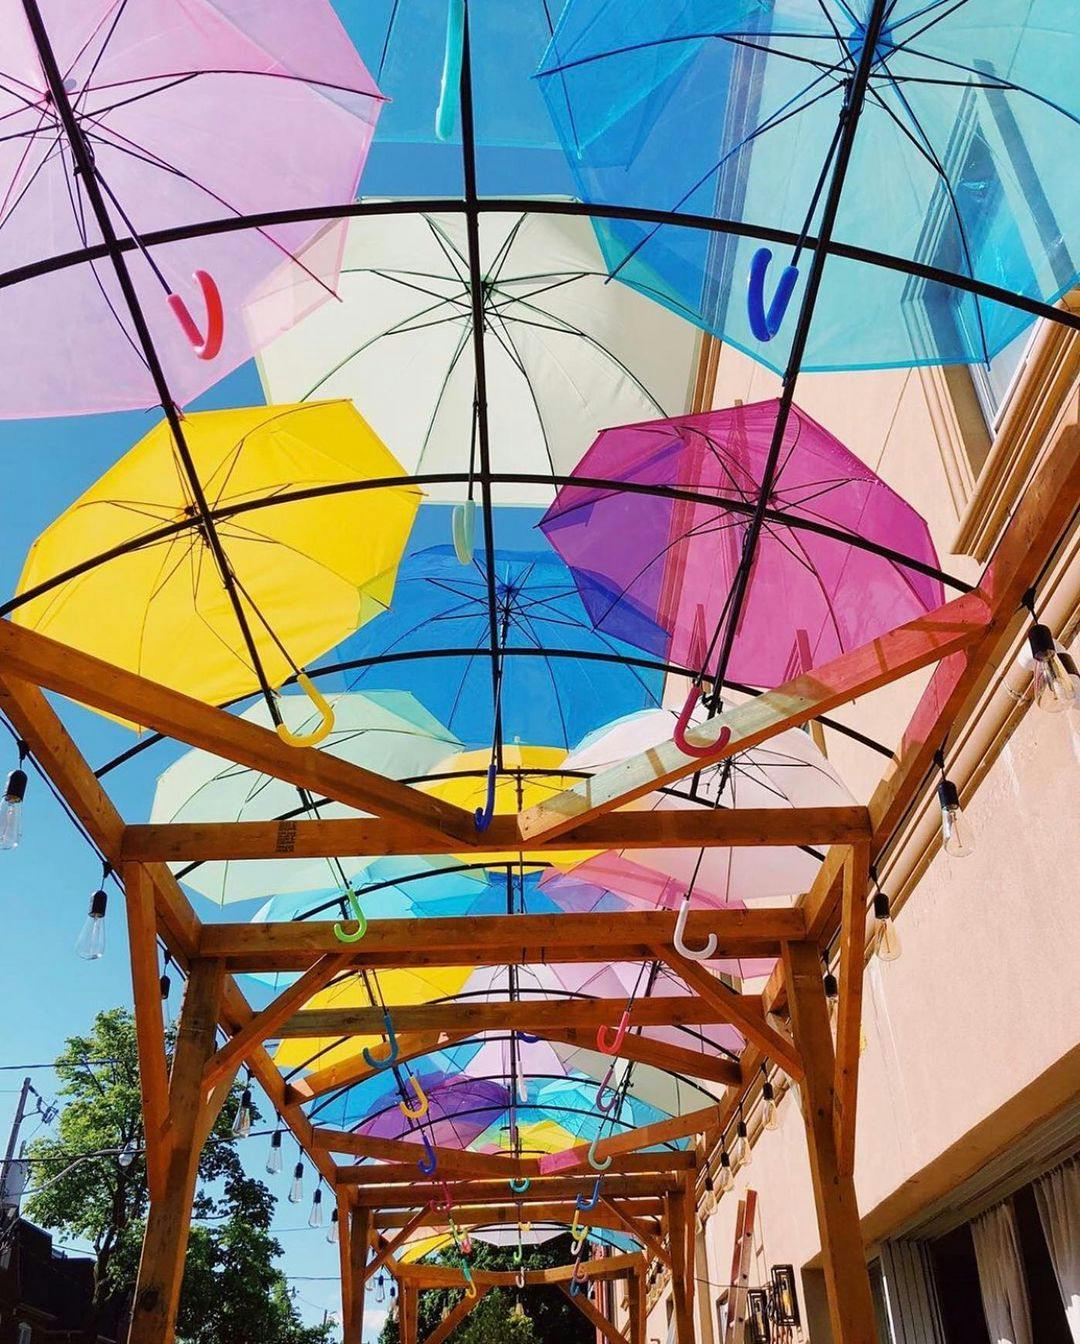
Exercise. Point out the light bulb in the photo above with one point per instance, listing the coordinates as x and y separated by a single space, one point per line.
273 1156
955 833
127 1154
518 1312
380 1291
332 1230
770 1114
241 1127
708 1203
11 807
296 1190
742 1154
727 1176
832 997
886 939
315 1217
1053 688
164 984
90 944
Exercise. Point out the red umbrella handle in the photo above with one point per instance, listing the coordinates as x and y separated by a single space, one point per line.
208 346
683 723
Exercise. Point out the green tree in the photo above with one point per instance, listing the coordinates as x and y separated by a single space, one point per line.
549 1317
232 1293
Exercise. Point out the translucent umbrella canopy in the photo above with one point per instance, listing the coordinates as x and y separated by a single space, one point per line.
386 731
787 771
730 109
191 112
658 570
565 352
434 641
127 573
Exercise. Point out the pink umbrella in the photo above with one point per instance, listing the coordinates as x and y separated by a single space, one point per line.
187 111
655 564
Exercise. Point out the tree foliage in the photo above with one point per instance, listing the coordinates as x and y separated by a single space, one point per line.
233 1293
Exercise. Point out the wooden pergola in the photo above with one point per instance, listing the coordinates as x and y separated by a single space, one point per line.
648 1191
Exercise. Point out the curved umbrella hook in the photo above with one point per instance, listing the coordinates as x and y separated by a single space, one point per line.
208 346
358 915
609 1042
585 1203
470 1291
698 954
326 711
605 1103
764 324
520 1278
682 723
463 527
421 1109
519 1187
443 1205
392 1047
482 815
594 1161
451 72
429 1161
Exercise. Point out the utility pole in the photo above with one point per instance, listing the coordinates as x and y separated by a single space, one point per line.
16 1125
10 1189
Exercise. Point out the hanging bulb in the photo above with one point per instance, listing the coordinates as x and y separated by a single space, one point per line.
380 1291
90 944
886 939
708 1203
241 1126
1053 688
273 1157
315 1217
11 805
956 834
770 1114
127 1154
727 1176
165 984
518 1312
832 997
332 1230
743 1154
296 1190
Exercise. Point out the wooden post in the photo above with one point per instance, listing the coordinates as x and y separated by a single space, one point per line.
638 1299
676 1214
408 1304
847 1283
161 1268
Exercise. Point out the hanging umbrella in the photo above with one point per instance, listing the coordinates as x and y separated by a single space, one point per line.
127 573
188 113
388 732
566 353
435 641
731 108
459 1110
658 571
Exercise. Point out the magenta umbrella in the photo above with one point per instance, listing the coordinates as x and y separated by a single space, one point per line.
185 111
657 569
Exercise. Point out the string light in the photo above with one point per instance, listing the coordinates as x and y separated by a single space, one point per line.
90 944
742 1154
241 1127
296 1190
11 805
727 1176
832 992
886 939
165 984
128 1154
708 1203
770 1116
956 837
315 1217
332 1230
273 1155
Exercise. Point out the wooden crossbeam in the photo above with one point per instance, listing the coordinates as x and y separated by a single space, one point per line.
443 1276
682 828
661 1131
489 1215
387 1252
456 1160
633 1225
56 667
395 1171
904 650
413 1194
594 1316
499 939
522 1015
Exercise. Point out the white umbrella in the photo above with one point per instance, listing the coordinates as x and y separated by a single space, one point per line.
567 353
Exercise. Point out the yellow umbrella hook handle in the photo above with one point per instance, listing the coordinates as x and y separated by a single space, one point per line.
325 728
421 1108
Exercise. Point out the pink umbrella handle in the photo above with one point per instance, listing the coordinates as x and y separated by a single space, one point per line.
208 346
608 1041
683 723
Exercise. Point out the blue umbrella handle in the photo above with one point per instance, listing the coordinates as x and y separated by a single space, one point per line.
392 1048
429 1161
764 324
482 815
586 1203
450 88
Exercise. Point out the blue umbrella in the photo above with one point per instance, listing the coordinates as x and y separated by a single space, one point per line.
966 111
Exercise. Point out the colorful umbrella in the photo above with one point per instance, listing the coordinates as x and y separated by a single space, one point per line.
566 353
731 109
386 731
128 572
187 113
559 677
658 569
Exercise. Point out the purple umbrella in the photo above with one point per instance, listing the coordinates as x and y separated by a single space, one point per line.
459 1110
657 570
186 112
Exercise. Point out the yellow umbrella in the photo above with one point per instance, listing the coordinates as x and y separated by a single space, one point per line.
397 988
128 574
523 781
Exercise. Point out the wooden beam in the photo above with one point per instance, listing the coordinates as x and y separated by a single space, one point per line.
392 1170
683 828
745 1012
595 1317
503 939
262 1025
849 1007
634 1227
408 1312
458 1160
411 1045
456 1316
847 1282
638 1296
443 1276
544 1189
44 662
161 1266
661 1131
906 649
149 1023
386 1253
507 1214
519 1015
659 1055
677 1214
359 1237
